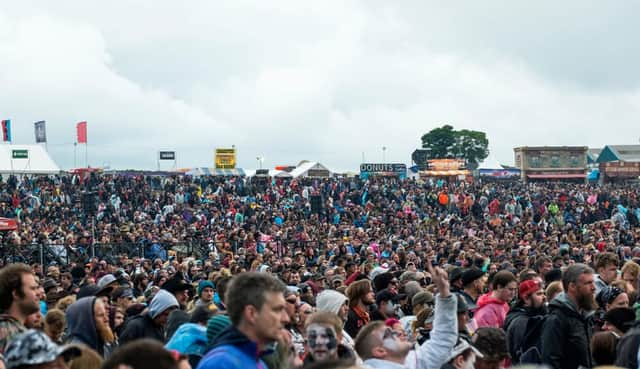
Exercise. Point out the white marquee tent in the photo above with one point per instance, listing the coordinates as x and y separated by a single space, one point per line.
26 159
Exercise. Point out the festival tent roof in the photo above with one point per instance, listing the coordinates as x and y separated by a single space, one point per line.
37 161
303 169
202 171
628 153
490 163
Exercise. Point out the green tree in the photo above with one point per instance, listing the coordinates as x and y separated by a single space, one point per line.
445 142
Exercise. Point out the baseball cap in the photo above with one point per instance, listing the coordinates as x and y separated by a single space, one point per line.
528 287
106 285
455 274
122 292
34 347
106 280
49 283
470 275
621 318
461 346
422 298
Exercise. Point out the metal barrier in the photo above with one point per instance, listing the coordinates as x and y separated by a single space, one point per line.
46 254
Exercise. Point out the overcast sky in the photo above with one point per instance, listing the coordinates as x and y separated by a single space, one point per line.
325 80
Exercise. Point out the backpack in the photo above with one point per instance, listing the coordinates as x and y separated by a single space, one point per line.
530 352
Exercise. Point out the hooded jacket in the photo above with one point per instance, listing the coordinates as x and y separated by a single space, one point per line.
141 326
491 311
81 326
233 350
566 335
523 327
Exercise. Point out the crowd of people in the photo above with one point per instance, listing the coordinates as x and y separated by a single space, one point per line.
319 273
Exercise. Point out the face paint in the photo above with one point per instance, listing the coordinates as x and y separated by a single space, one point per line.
390 341
390 308
322 341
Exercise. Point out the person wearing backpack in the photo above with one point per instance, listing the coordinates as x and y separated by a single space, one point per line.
523 324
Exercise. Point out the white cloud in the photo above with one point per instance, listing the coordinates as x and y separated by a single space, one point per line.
324 81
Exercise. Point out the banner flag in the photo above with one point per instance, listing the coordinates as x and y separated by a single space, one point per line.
81 129
40 130
6 130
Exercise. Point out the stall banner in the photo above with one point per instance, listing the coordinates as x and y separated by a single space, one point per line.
225 158
500 173
383 170
620 169
446 164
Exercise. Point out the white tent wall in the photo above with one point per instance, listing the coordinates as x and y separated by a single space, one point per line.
301 171
38 161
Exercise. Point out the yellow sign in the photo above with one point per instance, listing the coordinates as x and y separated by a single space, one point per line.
225 158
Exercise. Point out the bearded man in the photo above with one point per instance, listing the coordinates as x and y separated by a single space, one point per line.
88 323
567 332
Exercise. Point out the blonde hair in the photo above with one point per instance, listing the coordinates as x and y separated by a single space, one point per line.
65 302
631 267
88 359
421 317
553 289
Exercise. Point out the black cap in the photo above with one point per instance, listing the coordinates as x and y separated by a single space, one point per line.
552 276
621 318
455 274
470 275
386 295
176 284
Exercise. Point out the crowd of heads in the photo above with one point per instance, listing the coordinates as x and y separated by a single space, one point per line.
327 269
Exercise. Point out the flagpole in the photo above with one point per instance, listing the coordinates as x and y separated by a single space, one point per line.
75 155
86 154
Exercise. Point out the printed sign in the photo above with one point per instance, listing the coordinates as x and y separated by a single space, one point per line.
225 158
20 154
167 155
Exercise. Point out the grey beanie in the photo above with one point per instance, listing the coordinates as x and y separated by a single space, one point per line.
162 301
330 300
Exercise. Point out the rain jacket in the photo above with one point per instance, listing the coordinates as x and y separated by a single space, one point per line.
233 350
491 311
566 335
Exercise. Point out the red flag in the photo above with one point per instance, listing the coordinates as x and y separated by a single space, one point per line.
81 128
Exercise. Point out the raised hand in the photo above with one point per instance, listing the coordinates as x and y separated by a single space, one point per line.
440 278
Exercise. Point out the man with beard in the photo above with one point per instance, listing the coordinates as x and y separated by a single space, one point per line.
568 329
360 295
88 324
524 322
19 298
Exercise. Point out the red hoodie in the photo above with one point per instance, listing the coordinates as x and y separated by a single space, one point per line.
491 311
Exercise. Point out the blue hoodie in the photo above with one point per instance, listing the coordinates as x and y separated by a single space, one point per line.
233 350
